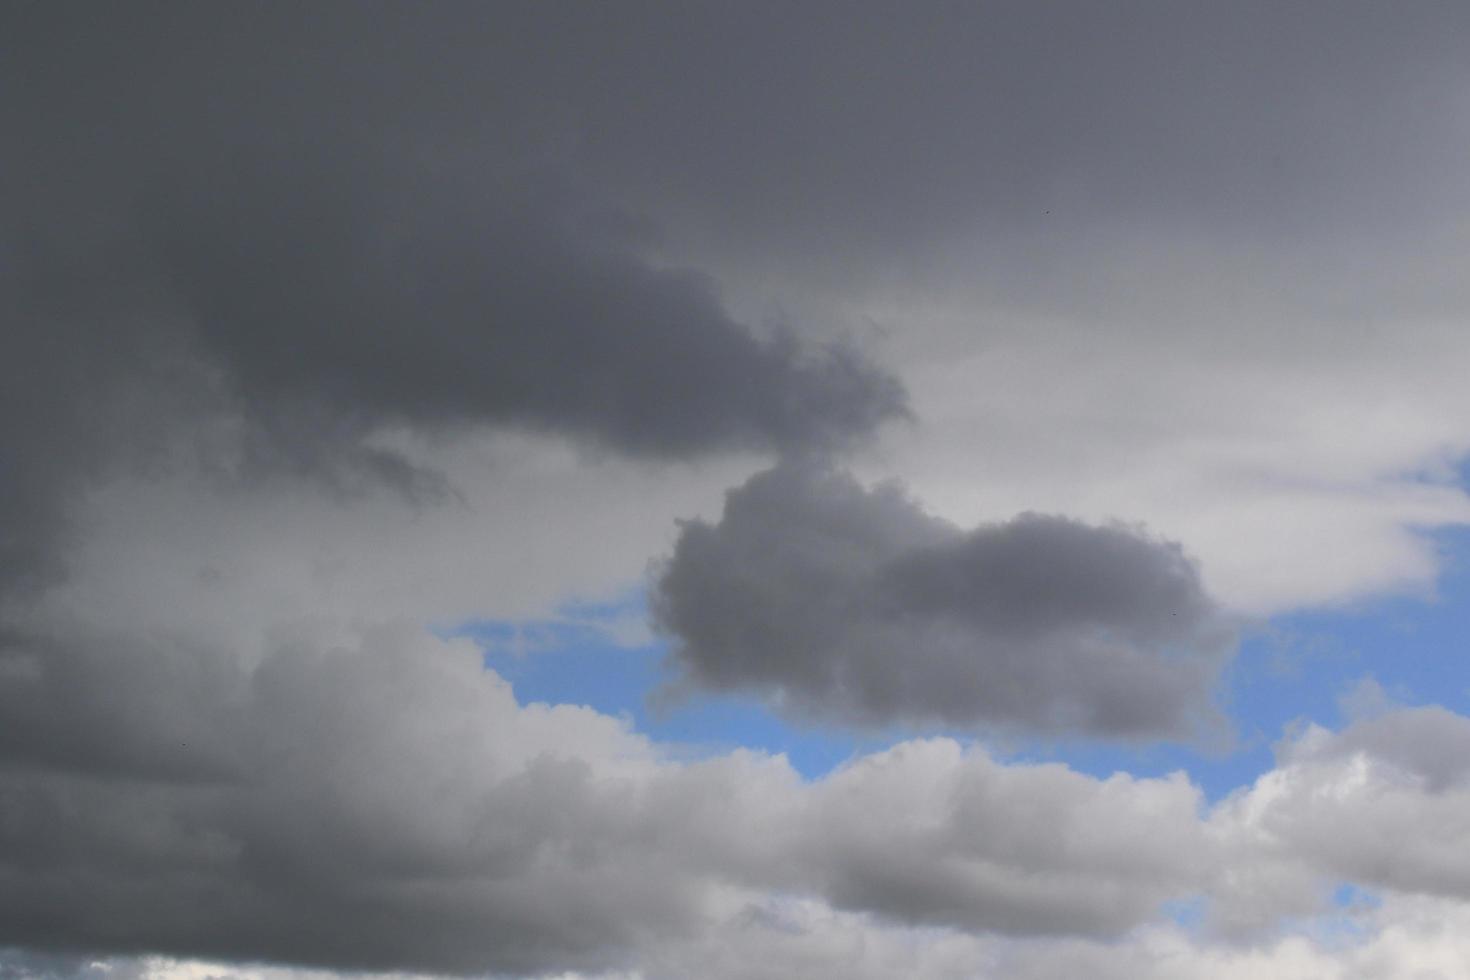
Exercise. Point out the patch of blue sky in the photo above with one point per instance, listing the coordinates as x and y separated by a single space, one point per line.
1293 668
1343 921
1304 667
1348 895
1447 470
1417 647
573 658
1350 921
580 656
1187 913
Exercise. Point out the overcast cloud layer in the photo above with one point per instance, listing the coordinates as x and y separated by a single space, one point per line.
297 290
1057 336
854 604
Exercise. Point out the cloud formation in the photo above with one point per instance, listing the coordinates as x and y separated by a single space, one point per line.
854 604
1197 265
1401 938
388 805
202 276
363 306
1383 803
383 803
1157 234
297 319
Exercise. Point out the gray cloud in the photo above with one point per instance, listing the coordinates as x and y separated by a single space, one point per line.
83 385
377 806
1035 149
854 604
1048 158
23 965
386 804
320 313
1377 805
1384 803
1430 745
197 257
325 250
930 835
208 263
258 237
409 306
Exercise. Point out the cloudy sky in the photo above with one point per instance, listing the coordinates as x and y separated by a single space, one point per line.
739 490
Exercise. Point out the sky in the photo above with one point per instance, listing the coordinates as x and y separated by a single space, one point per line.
657 490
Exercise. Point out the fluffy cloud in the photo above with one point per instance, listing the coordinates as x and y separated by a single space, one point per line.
1384 804
377 806
855 604
384 803
388 805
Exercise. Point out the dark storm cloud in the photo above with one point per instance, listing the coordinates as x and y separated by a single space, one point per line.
854 604
111 705
89 383
289 250
865 140
250 184
856 138
432 311
305 236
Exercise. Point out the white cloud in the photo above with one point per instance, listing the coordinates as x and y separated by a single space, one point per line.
1402 939
1296 477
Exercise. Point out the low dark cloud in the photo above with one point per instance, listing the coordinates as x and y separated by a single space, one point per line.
184 269
384 805
321 308
842 602
399 303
